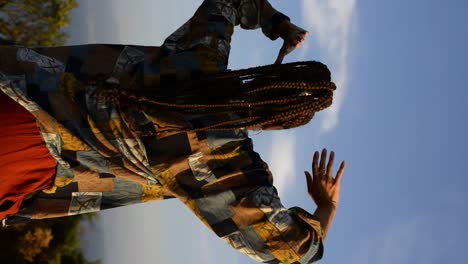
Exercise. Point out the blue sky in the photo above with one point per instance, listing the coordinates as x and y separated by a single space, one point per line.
398 119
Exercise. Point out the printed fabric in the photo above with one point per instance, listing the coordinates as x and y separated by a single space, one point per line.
109 157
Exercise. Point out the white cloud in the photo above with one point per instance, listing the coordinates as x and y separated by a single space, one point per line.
149 22
141 22
329 23
282 159
395 244
255 57
416 239
205 247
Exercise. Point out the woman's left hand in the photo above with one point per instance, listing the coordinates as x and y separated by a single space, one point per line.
293 37
324 188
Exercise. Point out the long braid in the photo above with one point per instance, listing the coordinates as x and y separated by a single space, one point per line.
286 95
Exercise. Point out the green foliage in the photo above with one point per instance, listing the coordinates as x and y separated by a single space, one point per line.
35 22
51 241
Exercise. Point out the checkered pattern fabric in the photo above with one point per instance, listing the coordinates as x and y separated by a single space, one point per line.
108 157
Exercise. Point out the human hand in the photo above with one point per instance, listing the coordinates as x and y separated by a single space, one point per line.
323 188
293 37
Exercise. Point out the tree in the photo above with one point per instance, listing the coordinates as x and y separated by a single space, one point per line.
49 241
33 242
34 22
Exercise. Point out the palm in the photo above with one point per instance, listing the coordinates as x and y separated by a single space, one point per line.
293 37
323 187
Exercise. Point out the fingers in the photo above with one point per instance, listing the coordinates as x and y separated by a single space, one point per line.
301 37
280 57
340 172
294 41
300 40
323 159
323 170
330 166
309 181
281 54
315 169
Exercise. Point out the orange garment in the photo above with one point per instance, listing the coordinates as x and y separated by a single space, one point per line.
26 165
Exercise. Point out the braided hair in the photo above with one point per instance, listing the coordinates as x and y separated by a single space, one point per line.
285 96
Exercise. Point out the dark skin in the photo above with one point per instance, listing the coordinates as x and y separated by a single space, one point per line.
324 189
293 37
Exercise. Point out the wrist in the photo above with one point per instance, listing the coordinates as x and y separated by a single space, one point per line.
325 215
281 24
328 205
324 202
283 29
327 209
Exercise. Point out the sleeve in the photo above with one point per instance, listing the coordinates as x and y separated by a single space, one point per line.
259 226
252 14
290 235
230 190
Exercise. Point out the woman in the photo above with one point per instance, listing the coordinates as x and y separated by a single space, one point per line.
130 124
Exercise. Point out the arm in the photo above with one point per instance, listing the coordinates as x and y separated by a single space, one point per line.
325 215
240 205
324 189
274 24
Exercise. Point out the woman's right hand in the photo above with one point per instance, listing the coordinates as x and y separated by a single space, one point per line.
293 37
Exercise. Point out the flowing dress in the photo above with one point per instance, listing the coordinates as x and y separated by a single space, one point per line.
108 156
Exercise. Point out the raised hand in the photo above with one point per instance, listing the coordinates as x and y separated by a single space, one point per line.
324 188
293 37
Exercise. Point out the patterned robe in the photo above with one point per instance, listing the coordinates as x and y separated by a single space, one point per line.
109 157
